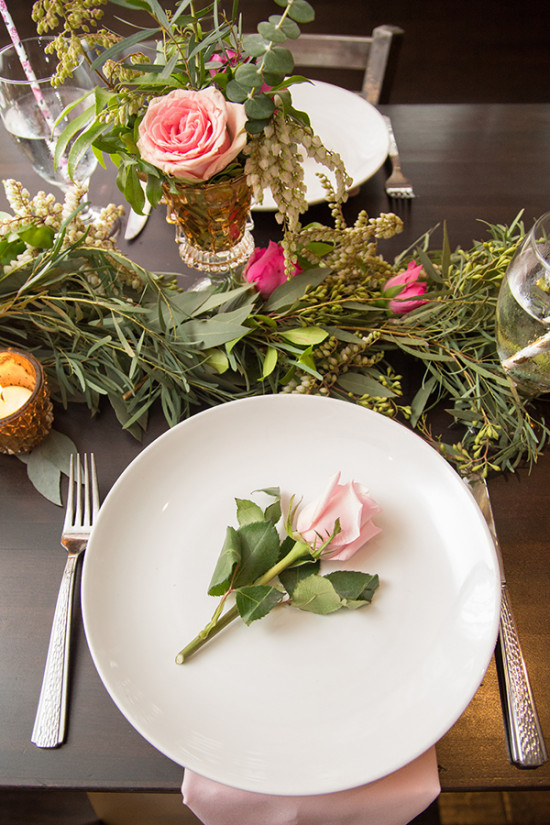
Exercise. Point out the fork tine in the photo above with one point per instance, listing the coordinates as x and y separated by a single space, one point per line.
69 507
77 515
95 489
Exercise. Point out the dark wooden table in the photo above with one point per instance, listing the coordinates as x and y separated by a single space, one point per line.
469 163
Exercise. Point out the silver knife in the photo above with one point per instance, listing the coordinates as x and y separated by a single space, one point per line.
525 739
136 222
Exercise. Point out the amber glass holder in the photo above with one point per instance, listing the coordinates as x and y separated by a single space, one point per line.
31 422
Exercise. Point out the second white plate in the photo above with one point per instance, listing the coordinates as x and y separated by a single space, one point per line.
347 124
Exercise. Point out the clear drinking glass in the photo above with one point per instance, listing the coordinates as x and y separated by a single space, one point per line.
523 312
29 111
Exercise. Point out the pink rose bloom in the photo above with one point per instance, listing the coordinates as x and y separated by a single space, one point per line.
192 135
354 507
405 301
266 268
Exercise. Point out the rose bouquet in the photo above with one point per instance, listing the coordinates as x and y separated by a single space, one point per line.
190 99
260 571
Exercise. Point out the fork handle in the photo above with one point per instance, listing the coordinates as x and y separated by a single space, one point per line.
49 724
526 743
393 151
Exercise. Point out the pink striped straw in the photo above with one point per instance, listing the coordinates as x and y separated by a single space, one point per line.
25 63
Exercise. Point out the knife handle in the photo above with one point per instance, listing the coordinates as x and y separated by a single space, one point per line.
526 743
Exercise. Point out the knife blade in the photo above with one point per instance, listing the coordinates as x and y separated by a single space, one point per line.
136 222
524 735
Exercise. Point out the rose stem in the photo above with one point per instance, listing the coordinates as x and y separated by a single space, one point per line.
298 551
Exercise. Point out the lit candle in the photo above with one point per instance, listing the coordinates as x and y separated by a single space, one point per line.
12 398
25 408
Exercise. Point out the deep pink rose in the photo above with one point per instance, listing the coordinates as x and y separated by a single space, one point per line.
266 268
354 507
231 58
192 135
404 300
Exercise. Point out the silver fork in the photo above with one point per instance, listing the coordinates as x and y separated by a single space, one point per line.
397 185
81 510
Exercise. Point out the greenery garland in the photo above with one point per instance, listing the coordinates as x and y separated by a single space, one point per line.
104 327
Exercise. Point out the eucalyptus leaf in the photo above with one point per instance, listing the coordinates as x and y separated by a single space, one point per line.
47 462
361 384
304 336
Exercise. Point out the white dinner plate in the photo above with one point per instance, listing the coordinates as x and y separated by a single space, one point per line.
295 703
347 124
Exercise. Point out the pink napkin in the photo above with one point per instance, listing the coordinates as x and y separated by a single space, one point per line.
392 800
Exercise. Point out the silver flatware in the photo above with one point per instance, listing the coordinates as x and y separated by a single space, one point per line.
524 735
81 510
397 185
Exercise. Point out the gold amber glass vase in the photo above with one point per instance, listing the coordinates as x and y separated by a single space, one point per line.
25 408
212 223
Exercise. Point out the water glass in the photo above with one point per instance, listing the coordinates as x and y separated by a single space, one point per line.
523 312
30 109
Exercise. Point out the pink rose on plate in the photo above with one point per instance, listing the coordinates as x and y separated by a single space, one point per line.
192 134
408 297
266 268
352 505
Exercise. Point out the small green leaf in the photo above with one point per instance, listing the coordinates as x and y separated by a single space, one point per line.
229 558
301 11
259 551
41 237
236 93
247 75
290 577
270 361
288 26
305 336
279 59
255 45
354 585
248 512
271 32
255 601
316 594
259 107
360 384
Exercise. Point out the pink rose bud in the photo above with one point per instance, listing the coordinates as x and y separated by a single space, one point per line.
192 135
266 268
352 505
412 288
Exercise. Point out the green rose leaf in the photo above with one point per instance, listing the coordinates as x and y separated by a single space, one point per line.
316 594
248 512
259 551
229 558
305 336
255 601
290 577
280 60
352 585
